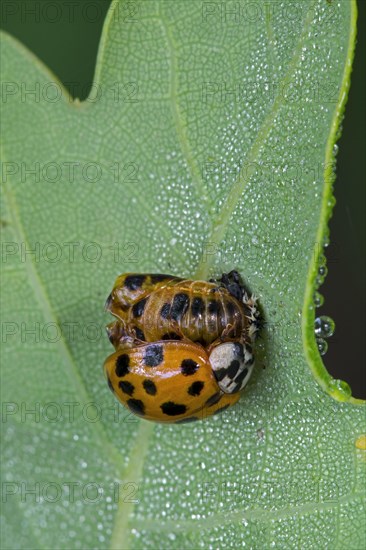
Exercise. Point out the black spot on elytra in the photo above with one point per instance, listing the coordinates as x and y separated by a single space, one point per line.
196 388
136 406
138 307
186 420
215 398
197 307
171 336
127 387
222 409
149 386
233 369
173 409
133 282
139 334
189 367
122 364
164 312
179 306
154 355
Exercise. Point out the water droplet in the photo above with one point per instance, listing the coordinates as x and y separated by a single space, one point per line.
322 272
331 202
322 346
318 299
326 240
340 390
324 326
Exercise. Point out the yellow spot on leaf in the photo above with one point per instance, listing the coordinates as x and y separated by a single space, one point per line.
361 442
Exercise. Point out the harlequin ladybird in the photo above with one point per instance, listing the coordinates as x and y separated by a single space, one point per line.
163 307
170 381
232 361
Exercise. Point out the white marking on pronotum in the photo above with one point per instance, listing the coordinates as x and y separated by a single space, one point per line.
232 364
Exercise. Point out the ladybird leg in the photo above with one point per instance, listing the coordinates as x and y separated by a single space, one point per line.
138 335
225 335
118 335
175 333
219 405
115 332
110 331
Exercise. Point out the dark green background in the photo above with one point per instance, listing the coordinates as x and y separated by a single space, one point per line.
67 41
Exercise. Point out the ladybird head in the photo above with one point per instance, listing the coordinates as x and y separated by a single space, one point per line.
232 364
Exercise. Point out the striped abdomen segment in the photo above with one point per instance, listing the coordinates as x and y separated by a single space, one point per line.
197 310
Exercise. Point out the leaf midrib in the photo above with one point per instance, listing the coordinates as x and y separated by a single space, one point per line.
238 187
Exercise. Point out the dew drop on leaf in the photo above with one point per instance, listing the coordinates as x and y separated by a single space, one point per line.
340 390
322 346
324 326
318 299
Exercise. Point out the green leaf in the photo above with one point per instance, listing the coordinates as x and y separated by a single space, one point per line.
206 145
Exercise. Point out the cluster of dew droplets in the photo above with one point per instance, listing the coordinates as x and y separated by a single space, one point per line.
324 326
